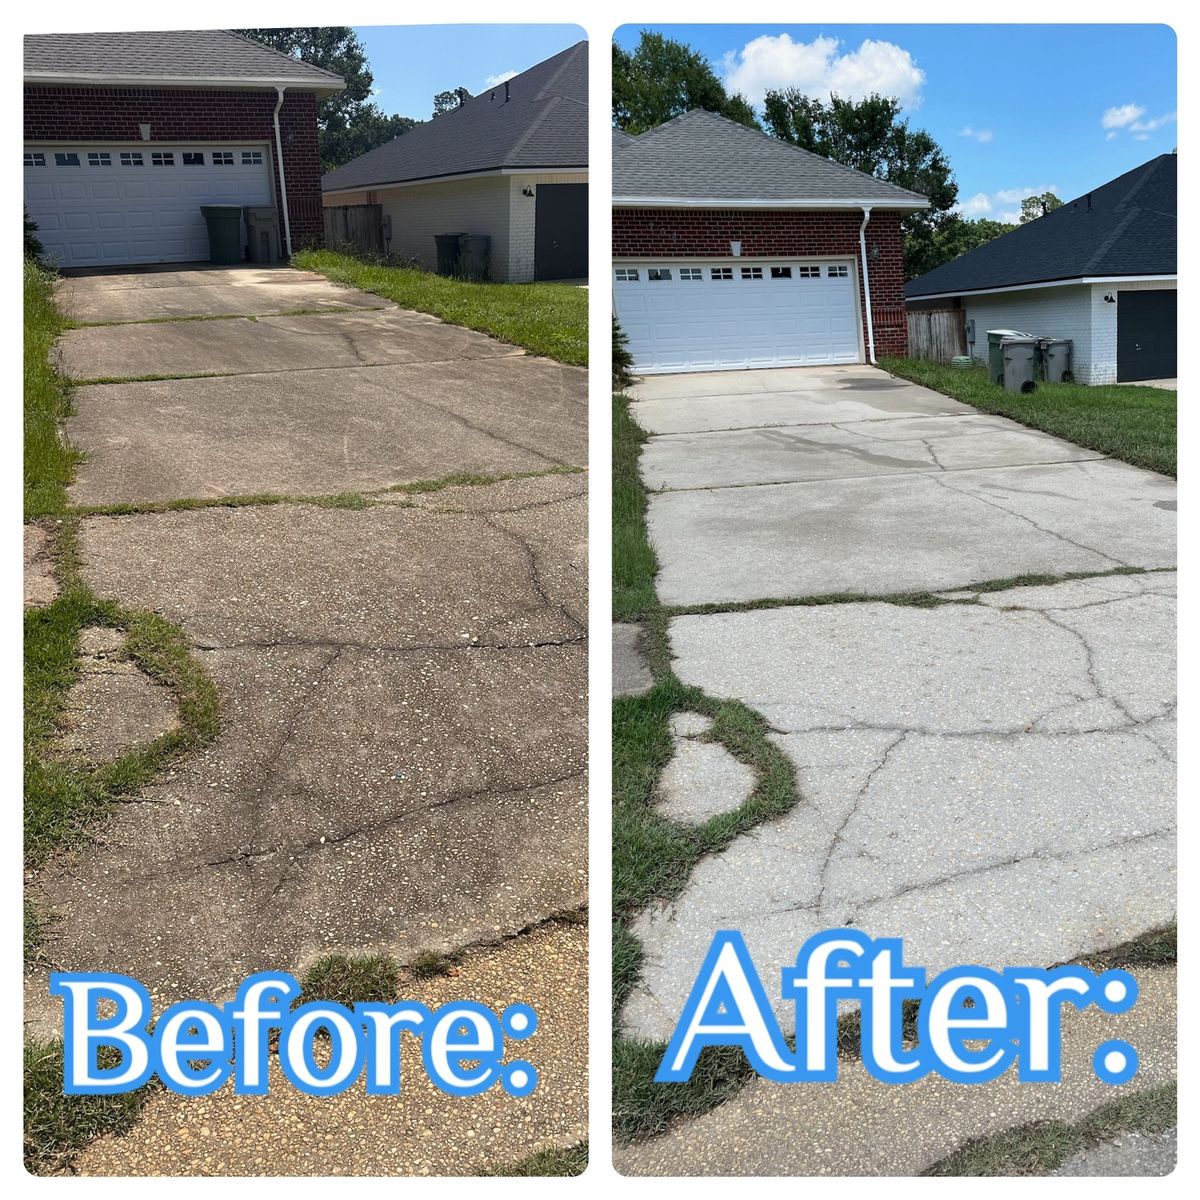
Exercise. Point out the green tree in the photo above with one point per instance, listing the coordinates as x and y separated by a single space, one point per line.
953 237
661 79
348 122
1033 207
448 101
871 136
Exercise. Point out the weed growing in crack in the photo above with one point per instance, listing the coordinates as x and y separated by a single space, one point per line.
351 979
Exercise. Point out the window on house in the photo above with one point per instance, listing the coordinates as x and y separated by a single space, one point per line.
842 271
690 274
752 273
809 272
627 275
657 274
99 158
131 158
193 158
222 158
721 273
162 158
251 158
67 159
781 272
35 158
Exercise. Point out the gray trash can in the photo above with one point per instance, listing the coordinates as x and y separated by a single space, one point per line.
262 234
1056 360
995 358
1020 363
449 251
473 256
224 223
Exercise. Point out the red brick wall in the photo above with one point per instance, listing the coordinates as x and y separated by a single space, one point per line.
707 232
175 115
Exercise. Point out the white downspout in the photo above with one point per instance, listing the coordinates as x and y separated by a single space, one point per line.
287 224
862 247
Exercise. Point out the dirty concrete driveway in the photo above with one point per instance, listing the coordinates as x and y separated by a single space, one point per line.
402 675
991 775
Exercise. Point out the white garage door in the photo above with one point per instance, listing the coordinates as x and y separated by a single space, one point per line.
109 205
715 316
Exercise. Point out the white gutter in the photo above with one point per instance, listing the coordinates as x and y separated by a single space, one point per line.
913 205
862 247
68 78
1078 281
490 173
287 224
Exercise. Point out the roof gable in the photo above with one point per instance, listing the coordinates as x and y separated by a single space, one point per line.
181 57
1126 227
700 156
538 119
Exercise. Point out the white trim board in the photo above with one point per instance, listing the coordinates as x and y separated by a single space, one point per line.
726 202
490 173
1078 281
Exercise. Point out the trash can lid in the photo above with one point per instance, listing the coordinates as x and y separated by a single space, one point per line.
221 210
1007 333
1020 339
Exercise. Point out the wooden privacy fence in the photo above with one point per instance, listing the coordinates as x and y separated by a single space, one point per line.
354 226
937 334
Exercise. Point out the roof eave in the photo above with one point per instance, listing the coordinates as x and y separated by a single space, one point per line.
453 177
85 79
901 205
1067 281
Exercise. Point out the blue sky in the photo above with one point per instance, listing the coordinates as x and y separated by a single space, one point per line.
412 62
1018 108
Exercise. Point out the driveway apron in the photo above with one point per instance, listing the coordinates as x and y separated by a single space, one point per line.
400 765
989 775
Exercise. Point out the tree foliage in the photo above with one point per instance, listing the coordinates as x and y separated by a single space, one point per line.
870 135
349 123
661 79
448 101
1033 207
954 236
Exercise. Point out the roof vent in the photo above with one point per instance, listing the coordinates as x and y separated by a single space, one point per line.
506 95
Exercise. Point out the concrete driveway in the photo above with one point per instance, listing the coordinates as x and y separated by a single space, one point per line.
990 776
401 761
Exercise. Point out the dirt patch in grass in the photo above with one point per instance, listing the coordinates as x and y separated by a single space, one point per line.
545 318
1134 424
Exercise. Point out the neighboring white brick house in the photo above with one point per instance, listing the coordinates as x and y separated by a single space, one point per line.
1076 311
510 164
1100 270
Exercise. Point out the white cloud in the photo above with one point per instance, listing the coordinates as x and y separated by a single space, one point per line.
495 80
1122 115
817 69
1153 124
980 135
998 205
1112 133
1127 118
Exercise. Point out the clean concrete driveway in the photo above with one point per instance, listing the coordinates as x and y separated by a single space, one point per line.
990 777
403 678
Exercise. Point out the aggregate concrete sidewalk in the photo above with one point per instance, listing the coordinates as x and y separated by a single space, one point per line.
990 777
401 764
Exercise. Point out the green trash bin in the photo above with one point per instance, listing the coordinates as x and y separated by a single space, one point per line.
449 252
224 223
996 355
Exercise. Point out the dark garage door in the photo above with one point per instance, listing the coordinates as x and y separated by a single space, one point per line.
560 231
1146 335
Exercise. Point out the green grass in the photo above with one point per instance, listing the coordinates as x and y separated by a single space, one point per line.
545 318
351 979
634 563
1134 424
1044 1146
58 1126
572 1160
49 462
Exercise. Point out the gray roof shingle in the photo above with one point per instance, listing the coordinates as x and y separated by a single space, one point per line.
1126 227
201 55
702 156
541 124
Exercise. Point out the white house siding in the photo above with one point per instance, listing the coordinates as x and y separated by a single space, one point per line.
1077 311
522 209
1064 312
1104 324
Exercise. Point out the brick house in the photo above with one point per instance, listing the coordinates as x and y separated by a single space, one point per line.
732 249
128 134
1101 271
510 164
